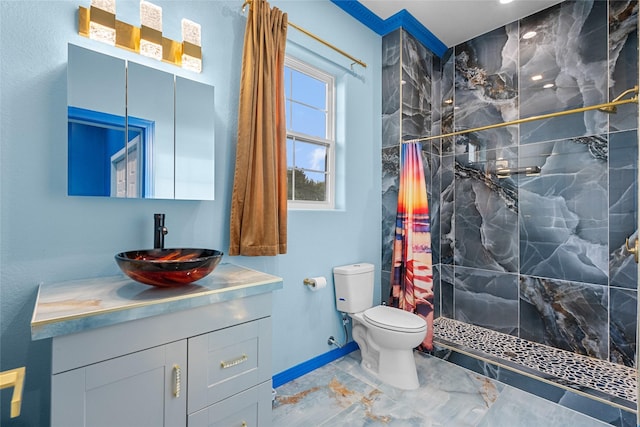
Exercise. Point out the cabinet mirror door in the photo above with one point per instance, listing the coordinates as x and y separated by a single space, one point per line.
194 140
150 123
135 131
96 98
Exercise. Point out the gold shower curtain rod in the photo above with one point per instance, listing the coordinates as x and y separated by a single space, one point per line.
607 107
313 36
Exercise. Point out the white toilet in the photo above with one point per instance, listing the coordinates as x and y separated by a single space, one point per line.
386 335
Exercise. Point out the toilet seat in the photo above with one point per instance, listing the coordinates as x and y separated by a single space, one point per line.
394 319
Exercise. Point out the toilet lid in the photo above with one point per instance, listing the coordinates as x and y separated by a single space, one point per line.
394 318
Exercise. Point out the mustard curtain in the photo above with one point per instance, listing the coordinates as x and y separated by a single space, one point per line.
259 198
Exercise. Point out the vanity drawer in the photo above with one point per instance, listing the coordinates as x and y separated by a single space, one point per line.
228 361
251 408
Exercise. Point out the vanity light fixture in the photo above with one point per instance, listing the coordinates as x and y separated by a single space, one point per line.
99 22
150 30
191 46
102 25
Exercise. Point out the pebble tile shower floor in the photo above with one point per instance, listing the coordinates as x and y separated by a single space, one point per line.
594 377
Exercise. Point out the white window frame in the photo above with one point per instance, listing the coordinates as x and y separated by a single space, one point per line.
329 142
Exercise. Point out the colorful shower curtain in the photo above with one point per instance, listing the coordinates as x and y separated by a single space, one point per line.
411 275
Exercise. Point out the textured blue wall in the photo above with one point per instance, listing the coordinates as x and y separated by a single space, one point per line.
46 236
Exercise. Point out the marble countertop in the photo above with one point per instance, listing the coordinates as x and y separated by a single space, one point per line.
79 305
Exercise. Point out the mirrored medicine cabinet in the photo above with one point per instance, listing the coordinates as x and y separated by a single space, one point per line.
137 132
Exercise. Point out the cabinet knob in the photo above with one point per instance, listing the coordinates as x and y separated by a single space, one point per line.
244 424
176 380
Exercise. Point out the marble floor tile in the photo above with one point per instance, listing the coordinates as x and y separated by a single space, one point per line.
342 394
318 396
515 407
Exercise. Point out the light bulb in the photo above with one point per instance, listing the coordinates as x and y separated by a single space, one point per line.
151 30
191 42
102 25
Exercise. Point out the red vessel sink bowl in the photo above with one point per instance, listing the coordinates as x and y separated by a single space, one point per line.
168 267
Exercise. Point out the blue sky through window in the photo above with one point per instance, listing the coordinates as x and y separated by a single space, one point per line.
306 98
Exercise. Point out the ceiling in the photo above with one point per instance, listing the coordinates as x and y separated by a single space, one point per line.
456 21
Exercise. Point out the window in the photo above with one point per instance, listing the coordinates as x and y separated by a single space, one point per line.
309 104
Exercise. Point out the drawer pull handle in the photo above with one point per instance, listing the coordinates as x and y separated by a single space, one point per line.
234 362
176 383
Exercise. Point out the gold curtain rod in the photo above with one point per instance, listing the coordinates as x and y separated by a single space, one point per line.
607 107
313 36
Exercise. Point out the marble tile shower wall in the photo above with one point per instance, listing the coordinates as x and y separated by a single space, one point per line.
536 256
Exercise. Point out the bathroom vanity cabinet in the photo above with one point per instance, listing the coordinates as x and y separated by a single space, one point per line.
173 357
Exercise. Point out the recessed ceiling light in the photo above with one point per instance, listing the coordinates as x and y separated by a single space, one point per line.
536 77
529 35
548 86
505 1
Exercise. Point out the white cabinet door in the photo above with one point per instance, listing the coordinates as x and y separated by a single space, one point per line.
146 388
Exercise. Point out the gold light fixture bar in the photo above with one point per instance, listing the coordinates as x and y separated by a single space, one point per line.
607 107
172 51
128 37
83 21
103 17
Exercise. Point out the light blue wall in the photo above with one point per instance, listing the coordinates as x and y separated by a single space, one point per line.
47 236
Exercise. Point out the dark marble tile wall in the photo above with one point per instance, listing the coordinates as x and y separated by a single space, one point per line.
407 113
391 88
486 298
541 255
417 66
622 326
623 217
623 60
447 290
446 210
391 92
567 315
447 101
486 89
486 211
564 210
569 52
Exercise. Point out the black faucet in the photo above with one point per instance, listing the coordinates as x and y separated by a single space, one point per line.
159 231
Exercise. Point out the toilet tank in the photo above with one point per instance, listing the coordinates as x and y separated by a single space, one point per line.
354 287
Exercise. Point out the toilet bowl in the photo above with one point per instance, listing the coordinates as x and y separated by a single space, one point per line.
386 335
